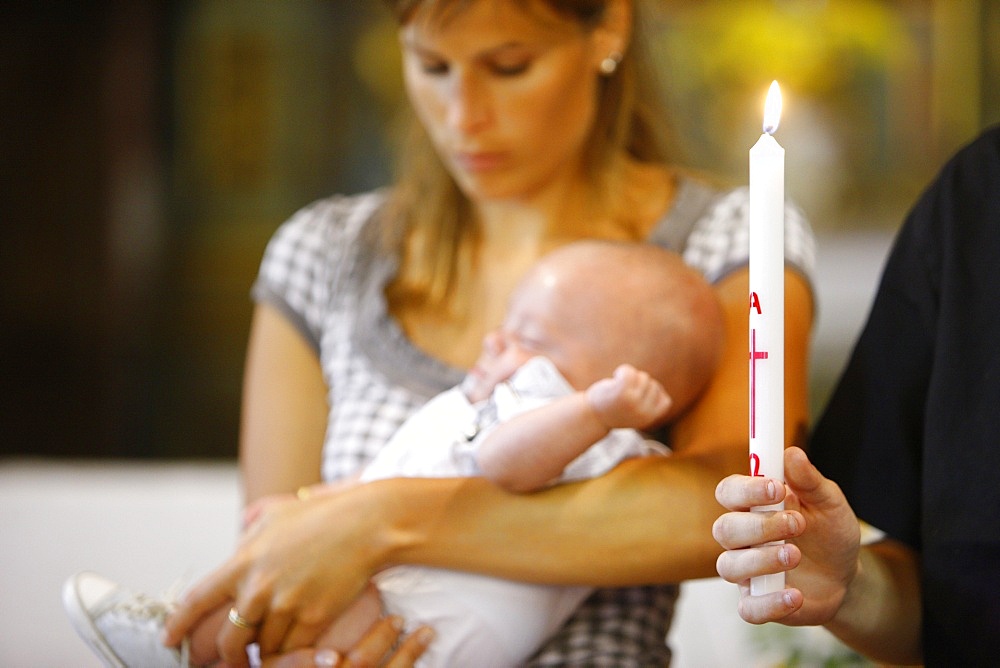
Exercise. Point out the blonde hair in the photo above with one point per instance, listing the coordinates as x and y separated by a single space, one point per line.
430 222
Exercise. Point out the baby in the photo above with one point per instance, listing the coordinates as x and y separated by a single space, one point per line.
601 339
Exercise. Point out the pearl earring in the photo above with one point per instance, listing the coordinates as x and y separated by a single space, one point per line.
610 63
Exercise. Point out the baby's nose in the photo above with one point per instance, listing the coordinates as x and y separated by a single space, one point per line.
493 343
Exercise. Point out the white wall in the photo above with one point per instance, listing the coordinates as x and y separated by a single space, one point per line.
145 525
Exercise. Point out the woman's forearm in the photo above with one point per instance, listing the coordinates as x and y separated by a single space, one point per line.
652 516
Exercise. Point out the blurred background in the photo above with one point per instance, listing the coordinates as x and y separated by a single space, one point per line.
149 149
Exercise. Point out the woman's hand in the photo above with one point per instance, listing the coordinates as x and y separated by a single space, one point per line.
257 509
376 648
821 555
294 571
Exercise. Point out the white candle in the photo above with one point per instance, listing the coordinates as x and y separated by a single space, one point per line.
767 312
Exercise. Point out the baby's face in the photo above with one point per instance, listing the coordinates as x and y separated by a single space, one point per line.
536 324
503 352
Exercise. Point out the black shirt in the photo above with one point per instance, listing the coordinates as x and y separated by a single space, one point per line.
912 432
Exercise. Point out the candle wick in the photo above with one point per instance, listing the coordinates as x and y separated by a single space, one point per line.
769 128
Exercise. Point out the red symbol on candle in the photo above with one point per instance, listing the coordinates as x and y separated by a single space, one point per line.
754 356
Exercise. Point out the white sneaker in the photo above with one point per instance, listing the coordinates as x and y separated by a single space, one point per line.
122 628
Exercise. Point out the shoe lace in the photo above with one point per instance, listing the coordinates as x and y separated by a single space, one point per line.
147 608
144 607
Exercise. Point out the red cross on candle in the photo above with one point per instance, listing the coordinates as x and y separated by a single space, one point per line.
754 356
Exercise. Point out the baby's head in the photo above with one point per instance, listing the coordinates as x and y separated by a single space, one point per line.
590 306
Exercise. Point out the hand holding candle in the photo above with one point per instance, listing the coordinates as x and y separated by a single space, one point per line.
767 311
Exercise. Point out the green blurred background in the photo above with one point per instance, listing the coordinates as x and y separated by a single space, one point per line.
149 149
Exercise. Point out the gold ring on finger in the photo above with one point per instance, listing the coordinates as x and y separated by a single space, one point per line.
240 622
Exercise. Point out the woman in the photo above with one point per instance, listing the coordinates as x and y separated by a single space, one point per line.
535 129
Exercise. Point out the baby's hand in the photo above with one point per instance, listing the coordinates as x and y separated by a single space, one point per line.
630 398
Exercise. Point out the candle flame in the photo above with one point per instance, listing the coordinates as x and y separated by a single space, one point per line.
772 108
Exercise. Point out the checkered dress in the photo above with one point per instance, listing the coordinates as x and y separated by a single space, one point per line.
323 271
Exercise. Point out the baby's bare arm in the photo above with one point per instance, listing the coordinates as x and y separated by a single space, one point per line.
533 448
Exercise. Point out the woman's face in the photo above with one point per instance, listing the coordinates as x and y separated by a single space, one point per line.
505 92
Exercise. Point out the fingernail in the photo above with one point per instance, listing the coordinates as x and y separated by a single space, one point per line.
326 658
772 490
787 598
783 556
397 622
791 523
424 635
